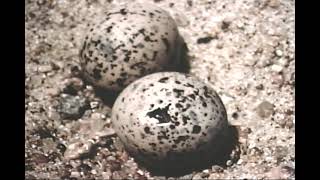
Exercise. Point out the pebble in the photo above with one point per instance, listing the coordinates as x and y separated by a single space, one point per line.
140 172
229 163
265 109
239 162
260 87
44 68
40 158
276 68
197 176
281 172
274 3
279 53
205 173
77 149
71 107
281 152
189 2
36 81
187 176
106 175
94 104
53 114
53 92
181 19
94 172
216 169
75 174
277 79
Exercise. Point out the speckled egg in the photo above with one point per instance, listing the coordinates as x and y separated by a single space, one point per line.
169 117
132 40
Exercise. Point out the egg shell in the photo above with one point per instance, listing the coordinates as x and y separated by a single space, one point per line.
132 40
169 117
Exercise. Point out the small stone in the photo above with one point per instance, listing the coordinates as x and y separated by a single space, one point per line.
216 169
77 149
205 173
225 25
106 175
94 104
93 171
40 158
140 172
229 163
205 40
197 176
277 79
239 161
45 68
260 87
111 158
281 152
279 53
36 81
75 174
281 172
53 92
276 68
274 3
181 20
219 45
235 115
289 124
72 107
53 114
265 109
187 176
189 2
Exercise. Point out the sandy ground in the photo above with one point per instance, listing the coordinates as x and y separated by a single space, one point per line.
242 48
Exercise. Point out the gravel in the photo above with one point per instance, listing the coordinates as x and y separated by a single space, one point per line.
244 49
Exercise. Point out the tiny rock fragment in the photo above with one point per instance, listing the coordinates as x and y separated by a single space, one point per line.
265 109
276 68
181 19
75 174
281 172
40 158
71 107
53 92
94 104
77 149
106 175
279 53
140 172
45 68
225 25
197 176
260 87
277 79
189 2
274 3
205 40
216 169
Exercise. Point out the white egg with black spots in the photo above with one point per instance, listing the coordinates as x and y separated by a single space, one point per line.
131 41
169 117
